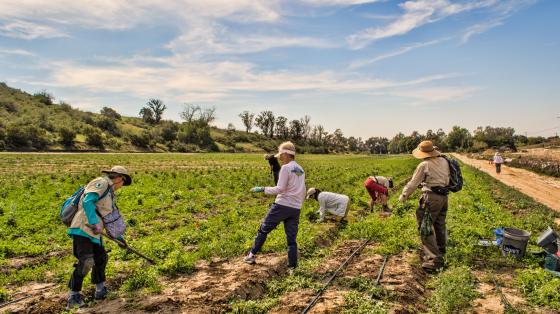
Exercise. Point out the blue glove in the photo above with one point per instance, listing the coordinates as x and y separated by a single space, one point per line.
257 189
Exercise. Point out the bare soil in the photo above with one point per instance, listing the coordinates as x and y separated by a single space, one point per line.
402 278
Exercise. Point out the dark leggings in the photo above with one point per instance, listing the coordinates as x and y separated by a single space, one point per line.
90 256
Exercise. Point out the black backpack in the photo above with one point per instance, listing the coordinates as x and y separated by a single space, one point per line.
455 175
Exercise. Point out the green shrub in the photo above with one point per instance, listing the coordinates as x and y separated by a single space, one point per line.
454 290
252 307
67 136
94 137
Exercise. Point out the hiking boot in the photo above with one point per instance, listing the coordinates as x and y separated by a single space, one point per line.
431 268
250 259
101 295
75 301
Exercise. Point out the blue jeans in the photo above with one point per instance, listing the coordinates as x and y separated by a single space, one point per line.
276 215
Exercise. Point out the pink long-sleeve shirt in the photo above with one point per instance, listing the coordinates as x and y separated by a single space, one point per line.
290 190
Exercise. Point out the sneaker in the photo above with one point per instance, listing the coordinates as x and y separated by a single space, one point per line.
75 301
291 271
250 259
101 295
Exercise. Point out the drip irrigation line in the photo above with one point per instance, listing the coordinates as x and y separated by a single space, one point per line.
381 270
316 298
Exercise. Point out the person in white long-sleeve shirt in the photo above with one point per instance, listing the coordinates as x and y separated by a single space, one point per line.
498 161
290 195
332 203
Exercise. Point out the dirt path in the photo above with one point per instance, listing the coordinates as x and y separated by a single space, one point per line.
543 189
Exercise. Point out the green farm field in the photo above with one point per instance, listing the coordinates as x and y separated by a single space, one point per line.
194 215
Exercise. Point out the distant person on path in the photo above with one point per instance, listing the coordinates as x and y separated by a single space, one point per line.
290 195
98 201
432 175
332 203
378 188
498 161
274 166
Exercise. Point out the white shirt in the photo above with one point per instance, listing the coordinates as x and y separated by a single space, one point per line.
335 204
290 190
498 159
381 180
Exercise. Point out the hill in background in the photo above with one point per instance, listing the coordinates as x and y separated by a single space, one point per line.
35 123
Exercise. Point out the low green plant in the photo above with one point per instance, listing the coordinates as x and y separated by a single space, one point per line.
540 287
357 303
142 280
454 289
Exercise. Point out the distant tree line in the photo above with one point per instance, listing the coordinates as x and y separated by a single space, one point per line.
37 122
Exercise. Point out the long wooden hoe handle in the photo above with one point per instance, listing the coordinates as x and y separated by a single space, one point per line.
124 245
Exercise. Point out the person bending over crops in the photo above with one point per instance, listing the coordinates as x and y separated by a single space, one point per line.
274 166
378 188
432 175
96 206
332 203
498 161
290 194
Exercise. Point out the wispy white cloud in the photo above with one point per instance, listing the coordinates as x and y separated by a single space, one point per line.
504 10
19 52
337 2
28 30
416 13
426 95
361 63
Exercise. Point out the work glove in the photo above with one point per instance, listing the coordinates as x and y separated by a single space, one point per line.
402 198
257 189
97 228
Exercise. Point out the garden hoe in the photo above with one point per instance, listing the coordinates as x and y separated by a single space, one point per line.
125 246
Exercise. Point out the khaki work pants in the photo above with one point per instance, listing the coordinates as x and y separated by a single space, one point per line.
434 244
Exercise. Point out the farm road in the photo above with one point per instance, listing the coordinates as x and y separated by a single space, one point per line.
545 190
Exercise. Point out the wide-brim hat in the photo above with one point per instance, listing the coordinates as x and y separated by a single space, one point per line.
425 149
310 192
120 170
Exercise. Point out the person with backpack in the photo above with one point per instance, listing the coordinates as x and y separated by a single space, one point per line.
274 166
290 194
498 161
432 175
378 188
96 211
332 203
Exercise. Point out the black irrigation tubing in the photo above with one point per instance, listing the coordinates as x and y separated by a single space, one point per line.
381 270
314 301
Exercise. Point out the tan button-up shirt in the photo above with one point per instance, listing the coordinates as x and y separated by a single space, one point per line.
431 172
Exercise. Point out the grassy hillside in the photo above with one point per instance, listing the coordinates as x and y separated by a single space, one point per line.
35 123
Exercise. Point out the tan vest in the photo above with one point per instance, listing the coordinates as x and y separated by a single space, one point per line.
104 205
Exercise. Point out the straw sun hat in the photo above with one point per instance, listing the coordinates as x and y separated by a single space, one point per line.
425 149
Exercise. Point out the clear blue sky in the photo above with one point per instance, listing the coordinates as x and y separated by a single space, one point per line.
370 68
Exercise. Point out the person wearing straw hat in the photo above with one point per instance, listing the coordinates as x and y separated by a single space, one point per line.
290 194
332 203
85 230
432 176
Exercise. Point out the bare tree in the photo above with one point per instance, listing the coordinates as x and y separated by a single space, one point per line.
306 127
208 115
157 107
247 119
189 112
